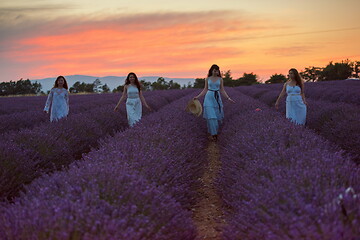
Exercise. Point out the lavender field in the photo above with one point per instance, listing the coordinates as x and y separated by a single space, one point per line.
90 176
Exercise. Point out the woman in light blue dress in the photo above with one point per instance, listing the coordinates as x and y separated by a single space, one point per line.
295 100
134 101
58 99
213 106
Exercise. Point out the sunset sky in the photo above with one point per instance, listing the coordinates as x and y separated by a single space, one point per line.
46 38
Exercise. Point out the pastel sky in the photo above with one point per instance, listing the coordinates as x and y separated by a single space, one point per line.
46 38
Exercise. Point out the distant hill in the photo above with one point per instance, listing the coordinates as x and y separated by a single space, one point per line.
111 81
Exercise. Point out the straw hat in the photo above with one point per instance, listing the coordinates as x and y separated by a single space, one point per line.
194 107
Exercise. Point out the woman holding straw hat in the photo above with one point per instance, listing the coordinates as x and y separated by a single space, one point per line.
213 106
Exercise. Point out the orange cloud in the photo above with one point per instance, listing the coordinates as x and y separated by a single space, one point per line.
186 44
165 44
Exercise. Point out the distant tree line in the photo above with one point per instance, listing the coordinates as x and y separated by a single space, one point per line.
333 71
246 80
20 87
160 84
98 87
95 87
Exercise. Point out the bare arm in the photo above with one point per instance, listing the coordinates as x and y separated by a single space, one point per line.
302 93
48 101
282 93
204 90
123 96
143 100
223 92
67 100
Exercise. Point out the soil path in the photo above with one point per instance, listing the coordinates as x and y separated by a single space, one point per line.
207 213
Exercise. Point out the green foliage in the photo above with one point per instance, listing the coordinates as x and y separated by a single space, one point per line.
97 86
337 71
105 88
19 87
82 87
173 85
162 84
189 85
146 86
311 74
356 69
228 80
118 89
247 79
199 83
276 78
333 71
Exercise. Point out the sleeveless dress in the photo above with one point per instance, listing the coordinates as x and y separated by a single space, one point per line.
133 105
59 100
213 107
295 107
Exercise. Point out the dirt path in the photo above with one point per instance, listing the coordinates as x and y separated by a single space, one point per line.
207 213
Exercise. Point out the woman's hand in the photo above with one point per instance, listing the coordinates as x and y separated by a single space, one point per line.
277 105
148 107
230 100
116 108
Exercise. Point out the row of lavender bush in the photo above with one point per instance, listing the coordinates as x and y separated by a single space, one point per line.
10 105
333 91
136 186
28 153
337 122
282 181
34 115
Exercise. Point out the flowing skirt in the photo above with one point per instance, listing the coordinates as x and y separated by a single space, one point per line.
133 110
59 109
296 111
213 112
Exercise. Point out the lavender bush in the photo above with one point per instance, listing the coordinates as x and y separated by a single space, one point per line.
53 145
95 201
130 188
33 115
282 181
332 91
338 122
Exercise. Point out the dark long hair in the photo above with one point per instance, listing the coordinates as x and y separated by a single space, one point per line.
298 80
57 84
137 83
214 66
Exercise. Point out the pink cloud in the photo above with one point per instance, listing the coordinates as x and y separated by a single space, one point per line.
159 43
